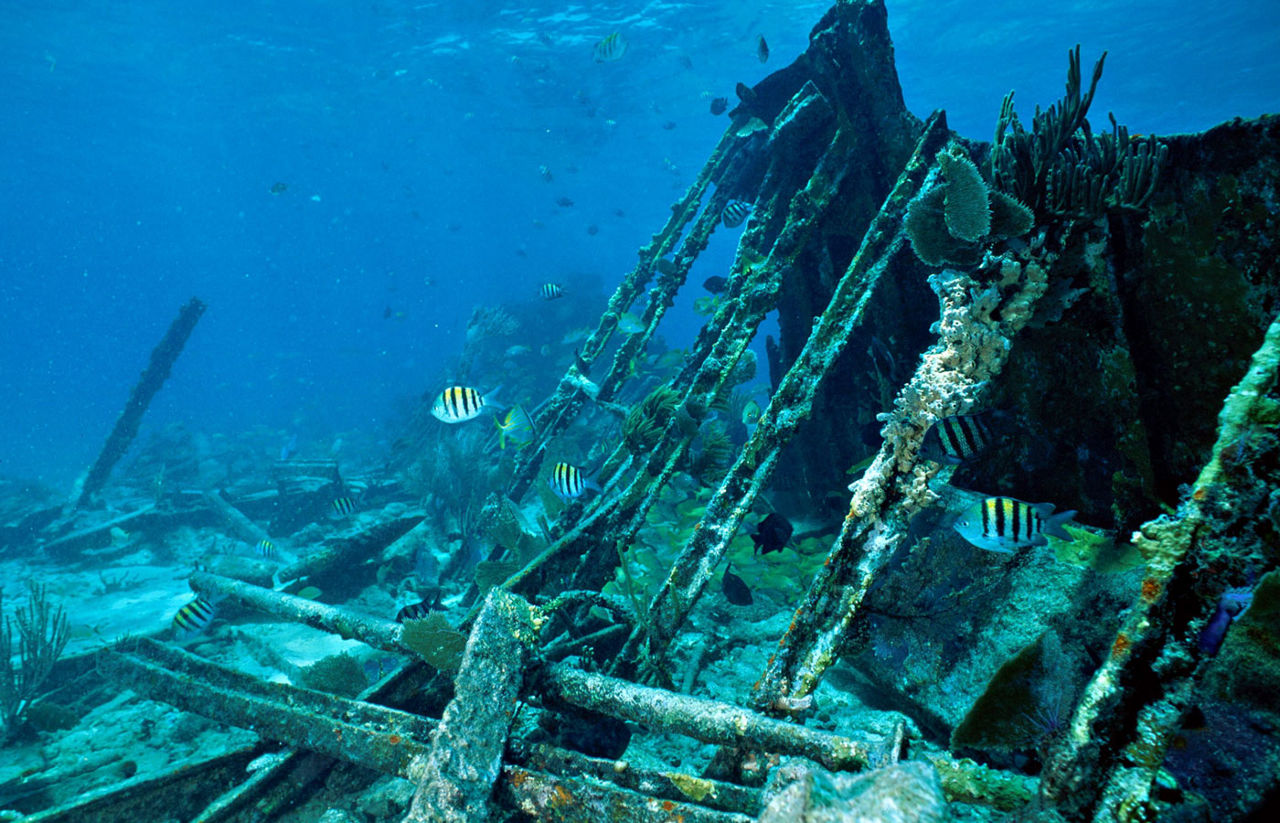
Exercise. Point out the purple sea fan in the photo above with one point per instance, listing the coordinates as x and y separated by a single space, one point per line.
1232 604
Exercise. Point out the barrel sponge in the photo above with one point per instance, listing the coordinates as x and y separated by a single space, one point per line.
967 209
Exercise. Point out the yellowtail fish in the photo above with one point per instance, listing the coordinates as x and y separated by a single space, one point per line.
610 48
344 506
629 323
734 213
516 425
458 404
551 291
1002 524
762 48
957 438
267 549
193 618
568 482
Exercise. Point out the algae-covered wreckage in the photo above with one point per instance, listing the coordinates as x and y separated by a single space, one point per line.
1117 296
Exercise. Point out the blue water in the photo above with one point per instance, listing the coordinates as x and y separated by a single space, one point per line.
140 142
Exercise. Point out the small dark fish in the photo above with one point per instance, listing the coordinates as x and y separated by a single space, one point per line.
772 534
563 202
344 506
762 48
386 313
715 284
1232 604
593 229
734 213
545 173
669 125
610 48
267 549
666 267
957 438
279 188
619 213
735 589
551 291
193 618
719 105
685 61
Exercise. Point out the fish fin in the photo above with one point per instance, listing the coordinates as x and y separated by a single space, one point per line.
1051 524
491 398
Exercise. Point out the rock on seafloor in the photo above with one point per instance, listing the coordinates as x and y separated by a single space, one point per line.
901 793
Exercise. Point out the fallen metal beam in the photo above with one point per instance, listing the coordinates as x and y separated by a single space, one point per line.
707 720
374 631
372 736
456 778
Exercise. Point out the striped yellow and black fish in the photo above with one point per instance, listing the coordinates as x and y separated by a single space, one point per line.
344 506
193 618
610 48
568 482
734 213
458 404
551 291
1002 524
267 549
956 439
414 611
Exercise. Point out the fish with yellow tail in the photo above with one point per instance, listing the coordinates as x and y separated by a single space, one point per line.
458 404
516 426
1002 524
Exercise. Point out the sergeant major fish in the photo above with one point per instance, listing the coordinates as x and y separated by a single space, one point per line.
568 481
611 48
957 438
194 618
1002 524
735 211
458 404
